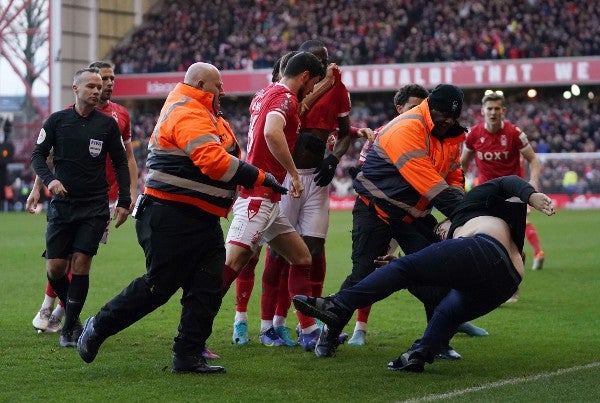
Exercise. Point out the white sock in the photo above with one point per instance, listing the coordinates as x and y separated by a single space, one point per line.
241 316
279 320
360 326
48 302
265 324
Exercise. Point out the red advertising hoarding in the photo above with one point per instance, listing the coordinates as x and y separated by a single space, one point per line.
389 77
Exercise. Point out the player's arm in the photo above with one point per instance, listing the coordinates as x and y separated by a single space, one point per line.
131 163
344 137
534 165
116 150
320 88
133 173
326 170
276 141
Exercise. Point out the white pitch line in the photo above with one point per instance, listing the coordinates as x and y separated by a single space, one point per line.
497 384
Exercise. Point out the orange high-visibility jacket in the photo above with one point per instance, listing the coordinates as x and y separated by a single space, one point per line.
194 155
409 166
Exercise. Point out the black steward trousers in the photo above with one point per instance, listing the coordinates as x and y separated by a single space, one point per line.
371 237
184 248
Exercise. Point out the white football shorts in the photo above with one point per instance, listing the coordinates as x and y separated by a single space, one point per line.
255 222
309 213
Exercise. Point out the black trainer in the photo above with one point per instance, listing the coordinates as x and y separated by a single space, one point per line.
323 309
327 343
195 364
69 337
89 342
412 362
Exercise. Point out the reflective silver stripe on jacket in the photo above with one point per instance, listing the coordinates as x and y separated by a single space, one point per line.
190 184
375 191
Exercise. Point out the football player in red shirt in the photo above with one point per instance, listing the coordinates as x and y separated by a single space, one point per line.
257 218
325 112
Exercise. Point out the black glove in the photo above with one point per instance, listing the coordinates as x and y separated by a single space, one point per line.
271 182
326 170
353 171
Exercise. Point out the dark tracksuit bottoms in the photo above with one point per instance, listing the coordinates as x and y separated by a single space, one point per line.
477 270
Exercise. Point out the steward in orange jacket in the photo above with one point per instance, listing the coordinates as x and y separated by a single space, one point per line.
410 169
413 166
194 155
194 168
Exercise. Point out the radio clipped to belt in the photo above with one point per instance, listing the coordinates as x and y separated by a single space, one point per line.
139 207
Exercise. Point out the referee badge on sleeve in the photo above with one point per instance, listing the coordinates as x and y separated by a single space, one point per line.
41 136
95 147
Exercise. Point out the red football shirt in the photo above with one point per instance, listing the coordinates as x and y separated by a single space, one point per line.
497 154
275 99
325 111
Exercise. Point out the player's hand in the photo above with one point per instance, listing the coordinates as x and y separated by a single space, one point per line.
329 71
32 200
271 182
121 215
134 195
297 186
326 170
57 189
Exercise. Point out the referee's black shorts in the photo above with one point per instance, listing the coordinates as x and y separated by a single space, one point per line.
75 226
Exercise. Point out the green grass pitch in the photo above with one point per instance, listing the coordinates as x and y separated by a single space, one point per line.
545 347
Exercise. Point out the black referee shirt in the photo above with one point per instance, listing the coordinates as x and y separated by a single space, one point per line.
80 147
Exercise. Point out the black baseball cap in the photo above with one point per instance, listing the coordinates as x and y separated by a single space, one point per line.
446 98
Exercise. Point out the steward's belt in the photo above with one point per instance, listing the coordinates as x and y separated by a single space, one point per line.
385 217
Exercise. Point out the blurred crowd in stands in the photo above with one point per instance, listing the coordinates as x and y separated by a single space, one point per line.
252 34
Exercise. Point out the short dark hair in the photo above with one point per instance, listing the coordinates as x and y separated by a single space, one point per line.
280 65
304 61
409 90
102 65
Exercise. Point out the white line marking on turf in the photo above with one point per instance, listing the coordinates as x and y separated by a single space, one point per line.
497 384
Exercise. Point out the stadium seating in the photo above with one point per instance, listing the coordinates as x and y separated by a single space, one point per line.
234 34
252 34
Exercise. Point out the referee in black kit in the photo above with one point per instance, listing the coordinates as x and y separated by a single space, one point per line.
77 215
